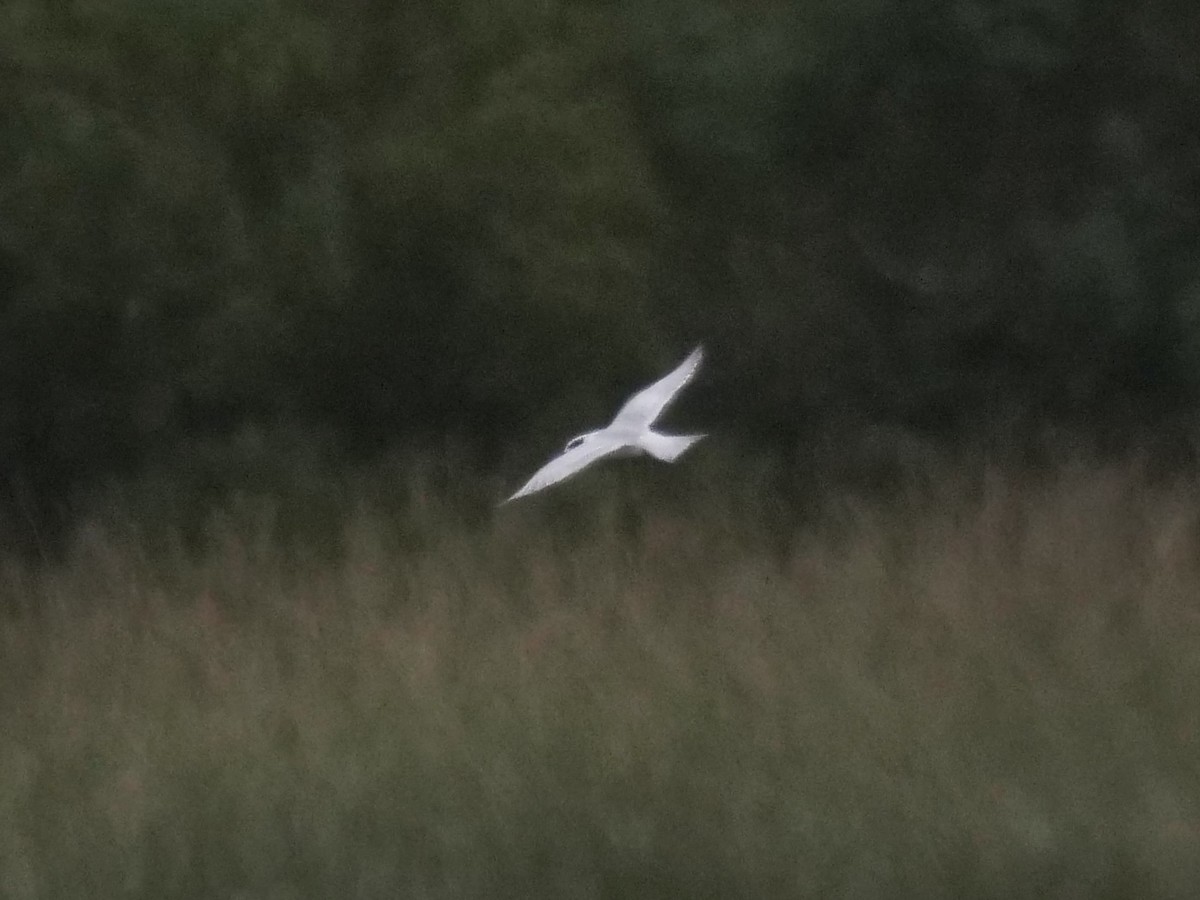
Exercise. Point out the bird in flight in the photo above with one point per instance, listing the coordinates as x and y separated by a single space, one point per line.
629 433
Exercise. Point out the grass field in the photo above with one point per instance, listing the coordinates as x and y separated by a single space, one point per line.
988 688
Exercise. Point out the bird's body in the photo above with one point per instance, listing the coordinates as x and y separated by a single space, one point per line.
629 433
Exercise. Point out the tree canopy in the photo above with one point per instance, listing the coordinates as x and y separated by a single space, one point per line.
383 221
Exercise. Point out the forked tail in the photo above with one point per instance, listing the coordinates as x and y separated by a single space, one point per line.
668 447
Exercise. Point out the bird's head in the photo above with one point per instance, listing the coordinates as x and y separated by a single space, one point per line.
579 440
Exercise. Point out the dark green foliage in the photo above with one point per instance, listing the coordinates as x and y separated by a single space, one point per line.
487 219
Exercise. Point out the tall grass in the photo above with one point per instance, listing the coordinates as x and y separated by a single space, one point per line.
990 688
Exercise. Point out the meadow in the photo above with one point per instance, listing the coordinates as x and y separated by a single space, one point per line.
641 685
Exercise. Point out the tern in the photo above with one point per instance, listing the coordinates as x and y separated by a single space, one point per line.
629 433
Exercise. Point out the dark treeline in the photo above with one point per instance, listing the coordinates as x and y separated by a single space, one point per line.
381 222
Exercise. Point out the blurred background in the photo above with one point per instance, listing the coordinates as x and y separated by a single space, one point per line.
238 237
293 292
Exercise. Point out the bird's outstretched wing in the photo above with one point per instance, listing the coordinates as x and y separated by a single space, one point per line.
646 405
567 464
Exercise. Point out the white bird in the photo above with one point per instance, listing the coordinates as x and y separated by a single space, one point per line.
629 433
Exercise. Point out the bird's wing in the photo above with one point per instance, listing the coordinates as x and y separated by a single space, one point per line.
567 464
646 405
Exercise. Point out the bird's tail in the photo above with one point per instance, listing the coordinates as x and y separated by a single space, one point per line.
669 447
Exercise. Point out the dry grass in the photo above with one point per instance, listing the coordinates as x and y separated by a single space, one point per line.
993 691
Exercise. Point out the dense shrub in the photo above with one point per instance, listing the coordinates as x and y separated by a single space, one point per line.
478 219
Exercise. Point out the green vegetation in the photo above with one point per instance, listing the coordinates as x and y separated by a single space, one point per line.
988 687
289 289
382 223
